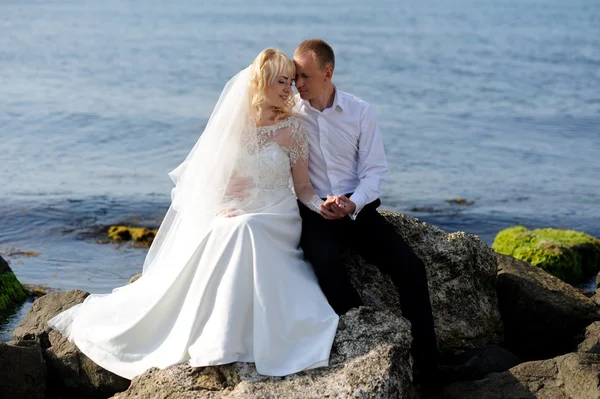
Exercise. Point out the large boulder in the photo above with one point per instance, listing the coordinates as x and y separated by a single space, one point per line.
567 254
543 316
370 358
34 324
71 373
74 375
571 376
461 271
591 342
22 370
11 290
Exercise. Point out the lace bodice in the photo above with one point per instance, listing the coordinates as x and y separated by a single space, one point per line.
276 158
280 149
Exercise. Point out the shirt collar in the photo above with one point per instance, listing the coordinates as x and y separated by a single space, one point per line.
338 102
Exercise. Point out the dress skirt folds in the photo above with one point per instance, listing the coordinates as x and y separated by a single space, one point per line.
245 294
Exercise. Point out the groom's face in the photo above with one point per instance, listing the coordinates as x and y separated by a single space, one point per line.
311 79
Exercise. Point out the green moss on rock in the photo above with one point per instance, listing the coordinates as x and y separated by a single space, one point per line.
567 254
11 293
141 235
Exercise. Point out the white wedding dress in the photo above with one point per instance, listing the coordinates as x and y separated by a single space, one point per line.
245 293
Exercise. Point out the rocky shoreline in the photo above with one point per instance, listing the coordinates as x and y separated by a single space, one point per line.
507 329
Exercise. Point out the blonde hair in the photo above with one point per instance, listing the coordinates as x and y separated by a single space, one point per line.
266 68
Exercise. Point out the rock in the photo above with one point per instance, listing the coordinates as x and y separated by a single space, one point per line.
462 278
596 298
591 343
477 363
34 324
370 358
575 375
38 290
542 315
567 254
22 370
460 201
135 278
141 235
11 290
74 375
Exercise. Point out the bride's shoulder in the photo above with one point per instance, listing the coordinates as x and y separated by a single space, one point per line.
294 121
291 123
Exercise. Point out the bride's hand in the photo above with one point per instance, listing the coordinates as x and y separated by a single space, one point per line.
238 187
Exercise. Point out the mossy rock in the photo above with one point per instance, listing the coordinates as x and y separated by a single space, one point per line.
569 255
11 293
141 235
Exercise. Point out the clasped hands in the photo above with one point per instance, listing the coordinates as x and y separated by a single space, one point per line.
336 207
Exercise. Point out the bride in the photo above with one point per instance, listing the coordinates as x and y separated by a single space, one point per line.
224 279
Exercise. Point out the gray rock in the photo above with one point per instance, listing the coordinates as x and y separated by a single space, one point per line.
477 363
462 278
74 375
22 370
591 343
572 376
34 324
596 298
542 315
370 358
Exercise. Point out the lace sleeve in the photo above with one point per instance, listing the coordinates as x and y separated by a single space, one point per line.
298 148
298 152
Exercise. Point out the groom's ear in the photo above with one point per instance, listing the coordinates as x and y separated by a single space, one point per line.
328 73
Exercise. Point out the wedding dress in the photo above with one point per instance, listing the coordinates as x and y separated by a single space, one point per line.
237 289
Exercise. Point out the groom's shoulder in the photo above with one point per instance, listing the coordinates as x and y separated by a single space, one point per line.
352 101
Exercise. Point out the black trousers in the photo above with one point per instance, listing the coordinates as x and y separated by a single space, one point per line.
379 243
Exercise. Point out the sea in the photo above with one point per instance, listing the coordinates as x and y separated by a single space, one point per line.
494 102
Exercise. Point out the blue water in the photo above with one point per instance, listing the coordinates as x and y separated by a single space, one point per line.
496 101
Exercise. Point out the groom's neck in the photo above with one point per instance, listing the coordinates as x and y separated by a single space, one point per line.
324 99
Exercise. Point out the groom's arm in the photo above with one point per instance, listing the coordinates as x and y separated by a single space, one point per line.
372 165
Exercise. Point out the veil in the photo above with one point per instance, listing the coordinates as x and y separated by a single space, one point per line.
203 180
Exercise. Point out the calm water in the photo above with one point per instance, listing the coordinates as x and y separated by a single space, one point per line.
494 101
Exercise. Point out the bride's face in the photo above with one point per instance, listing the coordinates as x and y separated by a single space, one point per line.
279 91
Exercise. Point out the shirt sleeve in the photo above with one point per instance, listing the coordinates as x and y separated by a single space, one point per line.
372 164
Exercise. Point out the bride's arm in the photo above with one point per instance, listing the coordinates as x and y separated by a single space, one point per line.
298 150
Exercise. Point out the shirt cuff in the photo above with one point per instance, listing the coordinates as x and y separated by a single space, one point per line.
359 201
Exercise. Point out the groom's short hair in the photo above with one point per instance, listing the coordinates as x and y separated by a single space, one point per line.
321 51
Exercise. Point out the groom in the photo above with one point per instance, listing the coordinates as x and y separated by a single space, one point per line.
347 167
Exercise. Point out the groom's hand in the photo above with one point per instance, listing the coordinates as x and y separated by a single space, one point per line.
344 205
336 207
329 210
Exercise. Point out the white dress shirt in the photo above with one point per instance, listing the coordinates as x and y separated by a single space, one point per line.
345 149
